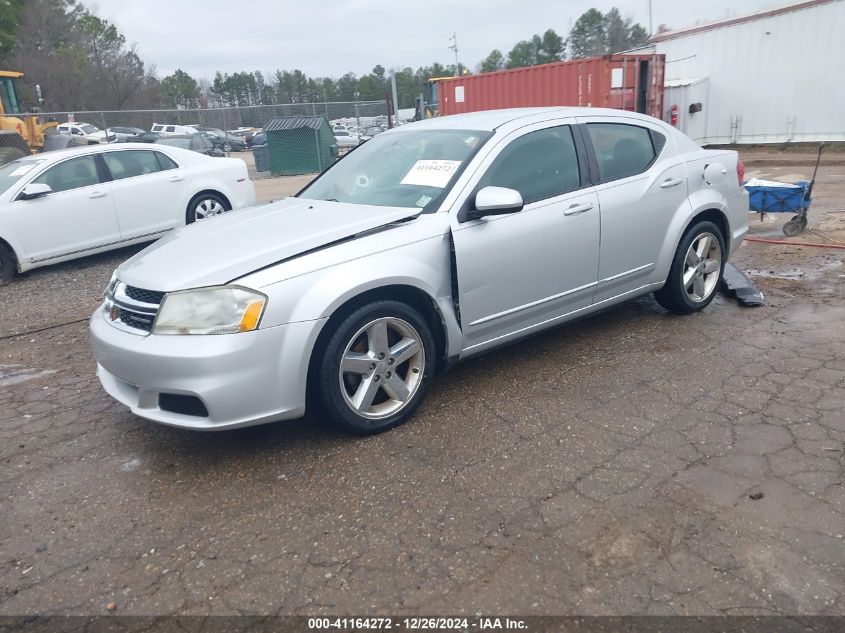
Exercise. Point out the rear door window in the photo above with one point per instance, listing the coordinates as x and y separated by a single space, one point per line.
621 150
131 163
70 174
539 165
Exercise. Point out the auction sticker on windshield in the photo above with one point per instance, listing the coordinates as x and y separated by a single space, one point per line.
431 173
23 169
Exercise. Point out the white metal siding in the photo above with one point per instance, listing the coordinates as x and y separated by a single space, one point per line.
774 79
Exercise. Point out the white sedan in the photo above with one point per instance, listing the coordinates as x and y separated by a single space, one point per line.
70 203
344 139
90 133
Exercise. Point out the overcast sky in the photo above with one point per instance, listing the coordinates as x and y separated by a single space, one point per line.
330 38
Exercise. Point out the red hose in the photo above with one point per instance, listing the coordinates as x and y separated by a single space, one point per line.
816 244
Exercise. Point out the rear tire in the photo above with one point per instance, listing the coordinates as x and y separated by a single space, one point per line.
8 154
376 367
8 265
205 205
696 269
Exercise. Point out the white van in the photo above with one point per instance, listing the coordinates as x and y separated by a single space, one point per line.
167 130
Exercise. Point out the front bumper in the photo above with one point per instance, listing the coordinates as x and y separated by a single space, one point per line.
242 379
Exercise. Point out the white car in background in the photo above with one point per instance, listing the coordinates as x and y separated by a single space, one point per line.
70 203
168 130
346 139
86 131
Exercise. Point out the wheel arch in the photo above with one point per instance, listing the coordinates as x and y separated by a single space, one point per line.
212 190
411 295
5 243
715 215
706 209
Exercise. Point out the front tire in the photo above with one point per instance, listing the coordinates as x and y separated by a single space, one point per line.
227 147
8 265
696 269
376 367
206 205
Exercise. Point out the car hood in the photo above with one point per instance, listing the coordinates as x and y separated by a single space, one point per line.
227 247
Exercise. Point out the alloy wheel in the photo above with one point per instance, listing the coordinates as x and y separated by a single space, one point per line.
208 207
382 368
702 266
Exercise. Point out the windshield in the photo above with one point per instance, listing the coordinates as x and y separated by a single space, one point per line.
11 173
184 143
403 169
88 128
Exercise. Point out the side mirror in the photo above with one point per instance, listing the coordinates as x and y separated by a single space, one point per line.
714 173
493 201
35 190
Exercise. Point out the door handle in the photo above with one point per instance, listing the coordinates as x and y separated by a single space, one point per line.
578 208
671 182
176 178
97 194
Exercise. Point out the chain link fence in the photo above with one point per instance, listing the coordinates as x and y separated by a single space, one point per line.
352 117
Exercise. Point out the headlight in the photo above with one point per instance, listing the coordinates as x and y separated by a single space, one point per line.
220 310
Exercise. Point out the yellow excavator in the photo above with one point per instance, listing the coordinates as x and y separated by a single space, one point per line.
21 133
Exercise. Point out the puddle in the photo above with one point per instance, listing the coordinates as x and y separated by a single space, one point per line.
795 274
131 465
16 374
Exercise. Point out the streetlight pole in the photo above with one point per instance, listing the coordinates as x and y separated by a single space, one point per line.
393 90
454 46
650 29
357 114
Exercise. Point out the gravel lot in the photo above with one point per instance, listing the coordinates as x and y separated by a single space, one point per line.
607 467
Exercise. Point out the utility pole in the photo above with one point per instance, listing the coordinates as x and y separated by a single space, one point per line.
454 46
393 89
357 114
650 29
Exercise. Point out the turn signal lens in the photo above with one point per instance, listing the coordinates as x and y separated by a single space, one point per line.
252 315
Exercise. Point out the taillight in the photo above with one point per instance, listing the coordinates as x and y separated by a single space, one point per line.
740 171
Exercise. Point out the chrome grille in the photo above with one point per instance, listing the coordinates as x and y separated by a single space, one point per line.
132 309
143 295
135 320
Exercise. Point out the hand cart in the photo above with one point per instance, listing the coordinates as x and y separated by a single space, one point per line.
778 197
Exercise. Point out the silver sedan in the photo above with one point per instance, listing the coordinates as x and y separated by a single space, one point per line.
427 245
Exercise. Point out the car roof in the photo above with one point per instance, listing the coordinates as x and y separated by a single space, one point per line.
492 119
59 154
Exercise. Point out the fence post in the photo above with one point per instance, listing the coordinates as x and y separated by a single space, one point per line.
317 145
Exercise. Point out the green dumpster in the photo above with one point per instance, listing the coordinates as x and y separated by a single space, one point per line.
299 145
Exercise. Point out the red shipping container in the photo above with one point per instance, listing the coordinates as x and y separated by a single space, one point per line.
626 82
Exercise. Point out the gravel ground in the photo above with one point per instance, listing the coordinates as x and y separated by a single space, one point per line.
635 462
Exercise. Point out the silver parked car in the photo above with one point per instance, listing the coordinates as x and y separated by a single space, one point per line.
428 244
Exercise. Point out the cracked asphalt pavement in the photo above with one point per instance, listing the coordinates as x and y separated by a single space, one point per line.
636 462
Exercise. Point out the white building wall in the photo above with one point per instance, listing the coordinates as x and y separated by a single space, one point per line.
774 79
